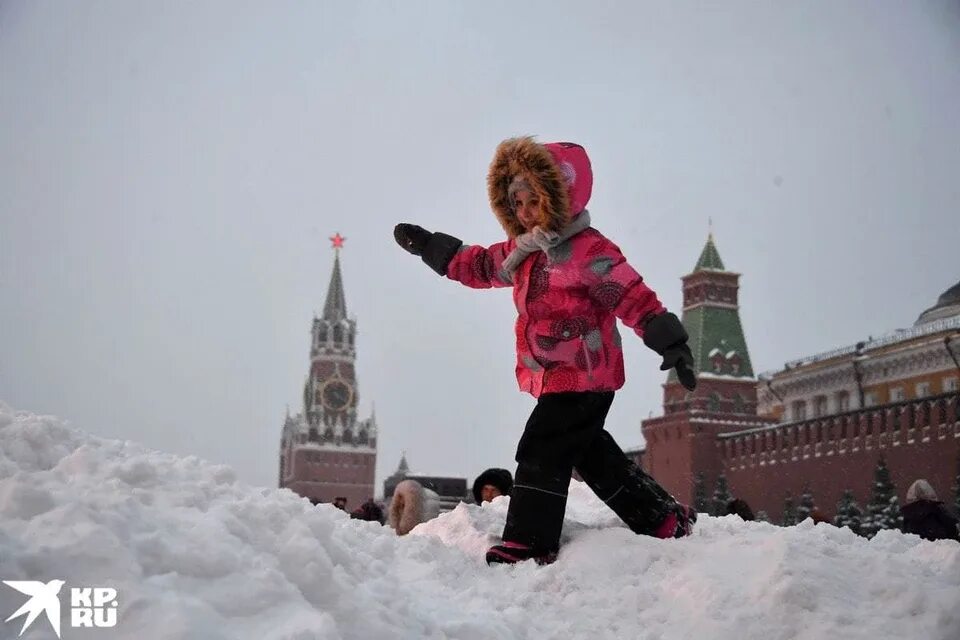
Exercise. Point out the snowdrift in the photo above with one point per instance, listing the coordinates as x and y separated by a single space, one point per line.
193 553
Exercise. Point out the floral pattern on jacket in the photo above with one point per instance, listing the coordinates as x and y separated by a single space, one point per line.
567 304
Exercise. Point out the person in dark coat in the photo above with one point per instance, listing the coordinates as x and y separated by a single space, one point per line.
926 516
739 506
492 483
369 511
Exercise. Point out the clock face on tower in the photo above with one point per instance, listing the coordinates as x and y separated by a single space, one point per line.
336 395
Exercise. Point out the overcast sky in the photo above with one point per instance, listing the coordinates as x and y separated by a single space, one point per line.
170 173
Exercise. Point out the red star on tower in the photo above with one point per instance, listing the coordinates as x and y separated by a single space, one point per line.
337 241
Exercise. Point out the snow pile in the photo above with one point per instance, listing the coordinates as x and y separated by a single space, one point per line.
195 554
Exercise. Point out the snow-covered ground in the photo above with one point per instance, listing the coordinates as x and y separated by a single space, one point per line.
195 554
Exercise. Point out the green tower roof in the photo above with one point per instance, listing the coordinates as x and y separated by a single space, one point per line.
716 335
714 331
709 257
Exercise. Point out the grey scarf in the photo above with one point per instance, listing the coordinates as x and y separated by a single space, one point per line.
539 240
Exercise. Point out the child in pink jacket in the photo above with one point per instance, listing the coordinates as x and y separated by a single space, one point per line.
570 284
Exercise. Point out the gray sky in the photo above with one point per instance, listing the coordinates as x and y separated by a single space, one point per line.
170 173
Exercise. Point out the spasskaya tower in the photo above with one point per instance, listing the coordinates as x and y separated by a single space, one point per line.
325 451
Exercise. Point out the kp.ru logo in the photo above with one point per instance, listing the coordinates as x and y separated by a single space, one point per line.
89 606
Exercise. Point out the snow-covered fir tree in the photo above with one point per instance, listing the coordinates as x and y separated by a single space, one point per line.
883 510
700 494
763 516
789 513
806 505
721 496
956 488
849 513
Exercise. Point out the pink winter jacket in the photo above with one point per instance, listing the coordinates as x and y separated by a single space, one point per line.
567 303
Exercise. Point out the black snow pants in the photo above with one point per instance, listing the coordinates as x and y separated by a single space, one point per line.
565 432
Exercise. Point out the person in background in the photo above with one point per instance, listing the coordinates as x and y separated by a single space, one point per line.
926 516
369 511
412 504
340 503
739 507
491 484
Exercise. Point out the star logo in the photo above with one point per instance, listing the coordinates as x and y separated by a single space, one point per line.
44 598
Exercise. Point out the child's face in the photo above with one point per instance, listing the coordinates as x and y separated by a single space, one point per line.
489 492
527 207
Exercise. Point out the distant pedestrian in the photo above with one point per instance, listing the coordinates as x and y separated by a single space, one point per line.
369 511
340 503
739 507
926 516
412 504
491 484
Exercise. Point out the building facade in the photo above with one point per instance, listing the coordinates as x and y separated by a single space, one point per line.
820 424
326 451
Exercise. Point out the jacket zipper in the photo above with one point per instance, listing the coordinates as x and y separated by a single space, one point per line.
586 356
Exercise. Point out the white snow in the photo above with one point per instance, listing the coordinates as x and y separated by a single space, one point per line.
196 554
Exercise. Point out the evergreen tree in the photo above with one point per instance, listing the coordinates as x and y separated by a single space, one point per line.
789 513
806 505
762 516
700 494
883 510
848 512
956 488
721 496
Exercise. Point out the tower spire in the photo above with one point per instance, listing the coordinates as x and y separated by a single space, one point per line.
709 257
335 308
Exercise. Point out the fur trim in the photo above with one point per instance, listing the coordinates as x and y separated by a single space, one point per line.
500 478
412 504
526 158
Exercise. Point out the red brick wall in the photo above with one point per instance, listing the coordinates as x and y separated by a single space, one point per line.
682 443
841 452
325 475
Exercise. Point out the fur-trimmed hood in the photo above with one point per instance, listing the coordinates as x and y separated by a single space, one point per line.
500 478
558 172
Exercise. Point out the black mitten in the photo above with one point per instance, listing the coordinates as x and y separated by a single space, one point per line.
678 356
435 249
411 237
666 335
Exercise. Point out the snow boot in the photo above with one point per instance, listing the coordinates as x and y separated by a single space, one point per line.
514 552
678 523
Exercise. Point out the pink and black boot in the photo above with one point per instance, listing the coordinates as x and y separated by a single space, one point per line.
514 552
678 523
